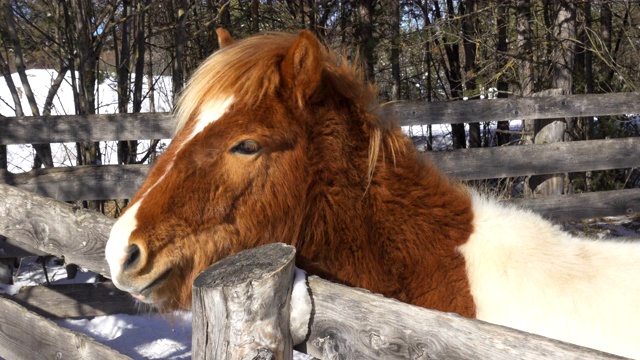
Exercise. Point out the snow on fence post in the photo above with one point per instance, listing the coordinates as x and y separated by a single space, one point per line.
241 306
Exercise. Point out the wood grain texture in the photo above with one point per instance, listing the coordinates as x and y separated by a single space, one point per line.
16 249
76 300
72 128
55 228
108 182
25 335
584 206
456 112
352 323
537 159
91 182
241 306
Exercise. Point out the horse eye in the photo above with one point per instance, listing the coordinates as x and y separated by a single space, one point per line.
246 147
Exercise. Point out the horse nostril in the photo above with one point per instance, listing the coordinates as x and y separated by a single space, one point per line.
133 255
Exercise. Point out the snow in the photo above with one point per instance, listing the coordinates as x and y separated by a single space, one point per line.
143 336
20 157
152 336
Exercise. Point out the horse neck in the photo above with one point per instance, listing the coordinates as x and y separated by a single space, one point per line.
409 219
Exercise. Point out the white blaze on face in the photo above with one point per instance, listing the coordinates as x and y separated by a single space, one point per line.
210 113
116 249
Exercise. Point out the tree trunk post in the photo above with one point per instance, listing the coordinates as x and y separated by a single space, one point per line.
548 131
241 306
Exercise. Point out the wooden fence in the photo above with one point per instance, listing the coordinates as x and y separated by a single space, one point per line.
115 181
44 225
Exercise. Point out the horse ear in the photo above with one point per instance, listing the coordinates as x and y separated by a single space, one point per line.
301 68
224 38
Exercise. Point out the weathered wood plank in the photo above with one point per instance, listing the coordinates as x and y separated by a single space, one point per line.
55 227
76 300
241 306
538 159
72 128
351 323
423 113
82 182
584 206
13 249
113 181
25 335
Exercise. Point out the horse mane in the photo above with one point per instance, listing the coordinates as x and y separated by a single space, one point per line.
249 69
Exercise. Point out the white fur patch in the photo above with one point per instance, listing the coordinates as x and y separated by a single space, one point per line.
527 274
300 308
115 250
210 113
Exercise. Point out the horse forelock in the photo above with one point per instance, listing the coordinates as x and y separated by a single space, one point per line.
248 70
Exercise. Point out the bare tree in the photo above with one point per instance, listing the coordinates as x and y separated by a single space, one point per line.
502 84
468 9
42 151
394 25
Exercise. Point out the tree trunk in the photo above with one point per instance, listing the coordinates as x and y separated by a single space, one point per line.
139 72
525 64
558 130
42 151
178 70
468 9
255 16
396 93
502 21
88 46
367 41
453 72
6 73
123 61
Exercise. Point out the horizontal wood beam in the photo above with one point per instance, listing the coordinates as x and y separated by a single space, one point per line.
350 323
551 107
91 182
585 205
55 228
26 335
76 300
71 128
538 159
115 181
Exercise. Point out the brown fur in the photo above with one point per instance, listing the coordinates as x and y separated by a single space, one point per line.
342 185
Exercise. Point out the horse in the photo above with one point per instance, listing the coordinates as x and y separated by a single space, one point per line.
279 140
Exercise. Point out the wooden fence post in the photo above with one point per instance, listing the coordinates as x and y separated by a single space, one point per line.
241 306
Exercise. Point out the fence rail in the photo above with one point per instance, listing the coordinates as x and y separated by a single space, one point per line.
122 181
71 128
347 323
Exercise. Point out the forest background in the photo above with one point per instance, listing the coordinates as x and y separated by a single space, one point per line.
413 50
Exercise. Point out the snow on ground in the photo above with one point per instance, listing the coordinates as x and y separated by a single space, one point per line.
143 336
